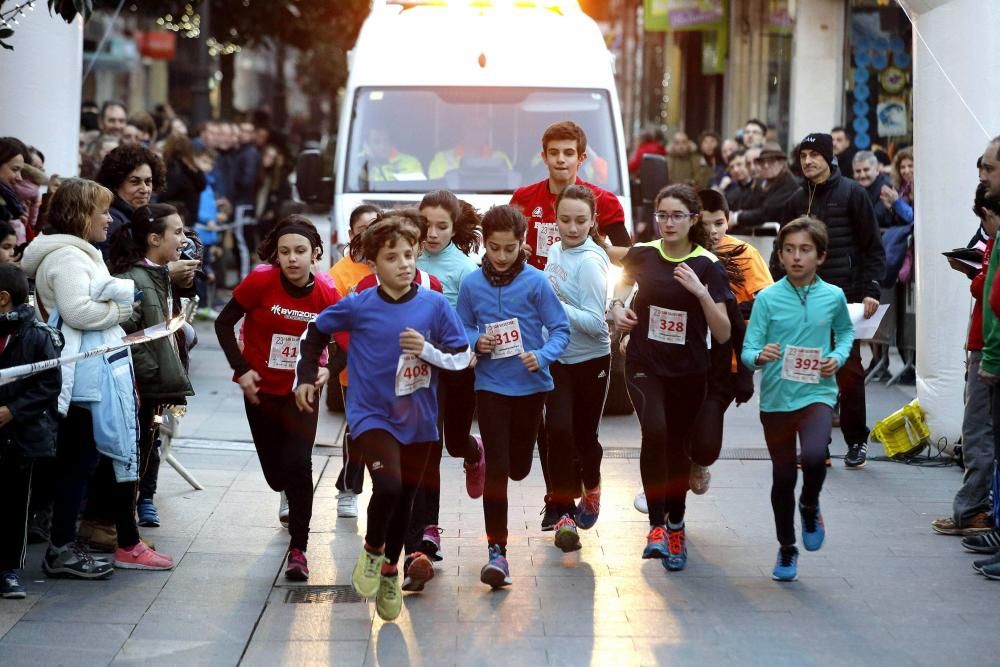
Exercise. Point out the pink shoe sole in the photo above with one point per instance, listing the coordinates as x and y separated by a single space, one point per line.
475 476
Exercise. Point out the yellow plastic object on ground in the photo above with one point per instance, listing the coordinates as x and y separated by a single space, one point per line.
904 433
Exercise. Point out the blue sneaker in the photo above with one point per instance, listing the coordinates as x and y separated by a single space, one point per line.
10 586
496 573
786 567
813 528
656 543
677 556
148 516
589 508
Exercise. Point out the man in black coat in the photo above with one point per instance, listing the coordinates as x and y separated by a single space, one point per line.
855 262
777 185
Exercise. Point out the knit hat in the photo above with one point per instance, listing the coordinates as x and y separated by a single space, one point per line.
819 142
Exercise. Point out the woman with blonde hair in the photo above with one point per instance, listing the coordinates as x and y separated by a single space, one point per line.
79 296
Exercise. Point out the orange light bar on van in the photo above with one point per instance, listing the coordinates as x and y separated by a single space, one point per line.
559 6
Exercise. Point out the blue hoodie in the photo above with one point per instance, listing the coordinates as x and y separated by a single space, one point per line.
579 277
529 298
450 266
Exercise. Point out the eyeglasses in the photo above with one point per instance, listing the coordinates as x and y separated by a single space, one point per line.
675 217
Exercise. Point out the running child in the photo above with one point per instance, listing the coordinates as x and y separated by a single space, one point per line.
392 404
277 302
504 306
346 274
791 324
452 235
577 269
140 251
28 419
682 297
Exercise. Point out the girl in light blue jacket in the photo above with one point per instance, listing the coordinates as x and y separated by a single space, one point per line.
578 272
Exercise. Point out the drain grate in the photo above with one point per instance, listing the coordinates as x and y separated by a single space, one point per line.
322 595
727 454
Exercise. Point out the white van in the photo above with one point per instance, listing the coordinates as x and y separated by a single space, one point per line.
456 95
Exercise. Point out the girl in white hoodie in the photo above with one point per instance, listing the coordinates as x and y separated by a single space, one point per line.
73 283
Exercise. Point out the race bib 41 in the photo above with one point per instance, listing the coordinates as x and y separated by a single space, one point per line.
284 352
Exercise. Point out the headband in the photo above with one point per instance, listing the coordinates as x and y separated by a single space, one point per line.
297 228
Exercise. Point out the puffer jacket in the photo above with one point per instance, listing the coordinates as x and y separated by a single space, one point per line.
159 374
32 400
855 259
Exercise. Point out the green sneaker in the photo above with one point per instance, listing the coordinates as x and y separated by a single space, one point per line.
366 573
389 602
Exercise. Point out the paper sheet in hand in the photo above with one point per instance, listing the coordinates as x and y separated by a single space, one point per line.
865 329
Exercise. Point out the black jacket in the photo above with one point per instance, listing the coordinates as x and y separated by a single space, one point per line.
120 213
882 215
184 185
772 202
742 195
33 400
855 259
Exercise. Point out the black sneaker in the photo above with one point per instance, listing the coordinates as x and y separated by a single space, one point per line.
984 543
988 564
10 586
550 515
856 456
74 562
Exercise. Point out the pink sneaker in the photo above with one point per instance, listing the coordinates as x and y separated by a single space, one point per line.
475 474
141 557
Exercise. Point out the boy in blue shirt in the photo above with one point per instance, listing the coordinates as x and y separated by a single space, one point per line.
789 336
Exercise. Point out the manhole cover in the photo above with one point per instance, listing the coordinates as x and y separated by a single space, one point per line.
322 595
727 454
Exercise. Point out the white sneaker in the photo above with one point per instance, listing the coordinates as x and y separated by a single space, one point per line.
283 510
640 502
347 505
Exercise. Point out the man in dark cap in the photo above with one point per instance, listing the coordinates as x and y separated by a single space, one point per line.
855 262
776 186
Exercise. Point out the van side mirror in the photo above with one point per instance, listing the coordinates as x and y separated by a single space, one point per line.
313 186
652 176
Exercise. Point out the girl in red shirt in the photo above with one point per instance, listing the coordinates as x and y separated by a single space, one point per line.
278 301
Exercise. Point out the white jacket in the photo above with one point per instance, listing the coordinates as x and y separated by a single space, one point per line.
71 279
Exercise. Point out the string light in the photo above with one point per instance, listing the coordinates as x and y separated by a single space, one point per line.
188 25
8 17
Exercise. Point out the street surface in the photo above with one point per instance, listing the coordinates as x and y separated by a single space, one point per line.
884 590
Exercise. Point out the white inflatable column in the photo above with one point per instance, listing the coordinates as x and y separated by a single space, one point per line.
947 140
41 80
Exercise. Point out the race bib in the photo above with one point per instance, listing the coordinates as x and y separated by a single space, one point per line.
412 373
801 364
507 336
548 235
667 326
284 352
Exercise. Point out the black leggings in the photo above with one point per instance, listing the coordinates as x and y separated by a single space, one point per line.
149 448
456 408
572 422
396 470
812 425
509 427
352 470
667 408
284 438
706 438
15 494
78 465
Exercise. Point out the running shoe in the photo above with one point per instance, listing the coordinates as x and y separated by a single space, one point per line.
146 511
417 571
699 479
550 514
985 543
813 528
75 562
389 601
677 554
367 570
974 525
430 543
347 505
639 503
786 567
856 456
475 473
567 538
141 557
10 586
297 568
991 565
283 510
496 572
589 508
656 543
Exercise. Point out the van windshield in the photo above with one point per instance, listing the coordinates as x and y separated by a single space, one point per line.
471 140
